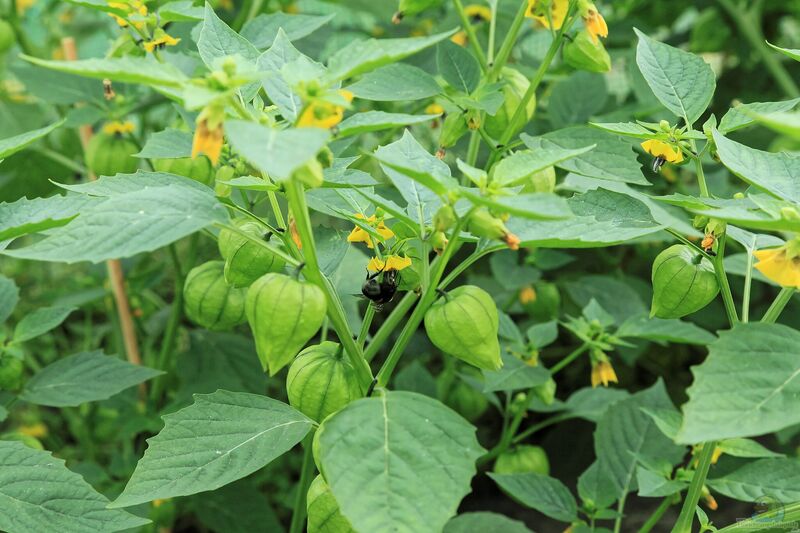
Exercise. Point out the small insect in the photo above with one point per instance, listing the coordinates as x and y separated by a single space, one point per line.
381 291
658 162
708 244
108 90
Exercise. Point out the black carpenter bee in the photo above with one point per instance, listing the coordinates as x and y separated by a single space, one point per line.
381 291
658 162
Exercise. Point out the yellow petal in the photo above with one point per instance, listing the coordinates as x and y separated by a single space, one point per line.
776 266
359 235
207 141
595 24
658 148
395 262
375 265
478 11
384 232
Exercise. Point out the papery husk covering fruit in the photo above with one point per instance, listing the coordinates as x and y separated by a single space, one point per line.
245 260
209 301
324 515
683 282
108 154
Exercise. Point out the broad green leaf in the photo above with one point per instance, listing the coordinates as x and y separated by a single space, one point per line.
653 485
376 121
611 158
534 206
72 89
626 433
772 478
546 494
180 11
778 173
39 493
12 145
362 56
577 98
516 168
236 508
486 522
167 144
340 202
139 219
665 330
277 152
667 419
39 322
84 377
400 461
784 123
602 218
615 295
458 67
628 129
759 211
419 176
262 30
589 403
596 485
682 81
746 448
217 40
9 297
281 53
747 386
516 374
220 438
396 82
788 52
741 116
30 216
127 69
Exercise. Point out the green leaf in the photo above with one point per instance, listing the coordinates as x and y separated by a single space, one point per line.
626 433
167 144
220 438
394 83
39 493
534 206
83 377
12 145
141 212
99 5
516 168
31 216
746 448
546 494
458 67
577 98
484 521
746 386
515 374
774 478
682 81
376 121
39 322
654 485
665 330
589 403
126 69
180 11
778 173
628 129
9 297
262 30
217 40
788 52
611 158
399 462
281 53
361 56
784 123
596 485
277 152
741 116
236 508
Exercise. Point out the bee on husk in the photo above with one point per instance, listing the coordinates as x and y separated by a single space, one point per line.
382 291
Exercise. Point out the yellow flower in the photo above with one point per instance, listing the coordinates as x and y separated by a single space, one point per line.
131 7
477 12
392 262
207 140
716 454
434 109
360 235
781 265
294 233
118 127
527 295
460 38
323 114
663 150
537 10
37 430
603 373
160 38
595 23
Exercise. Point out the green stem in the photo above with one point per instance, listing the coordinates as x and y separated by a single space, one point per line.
569 358
389 325
778 304
306 473
507 437
471 36
62 160
620 509
472 150
297 201
492 34
509 41
173 322
538 427
654 518
684 523
466 263
748 281
724 286
698 166
369 314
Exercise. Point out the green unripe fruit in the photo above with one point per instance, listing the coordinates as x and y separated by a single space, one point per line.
445 218
454 127
546 392
521 460
324 515
683 282
514 88
198 169
321 381
464 324
284 314
7 37
10 373
111 154
245 260
545 303
583 53
462 398
209 301
483 224
438 241
542 181
310 174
